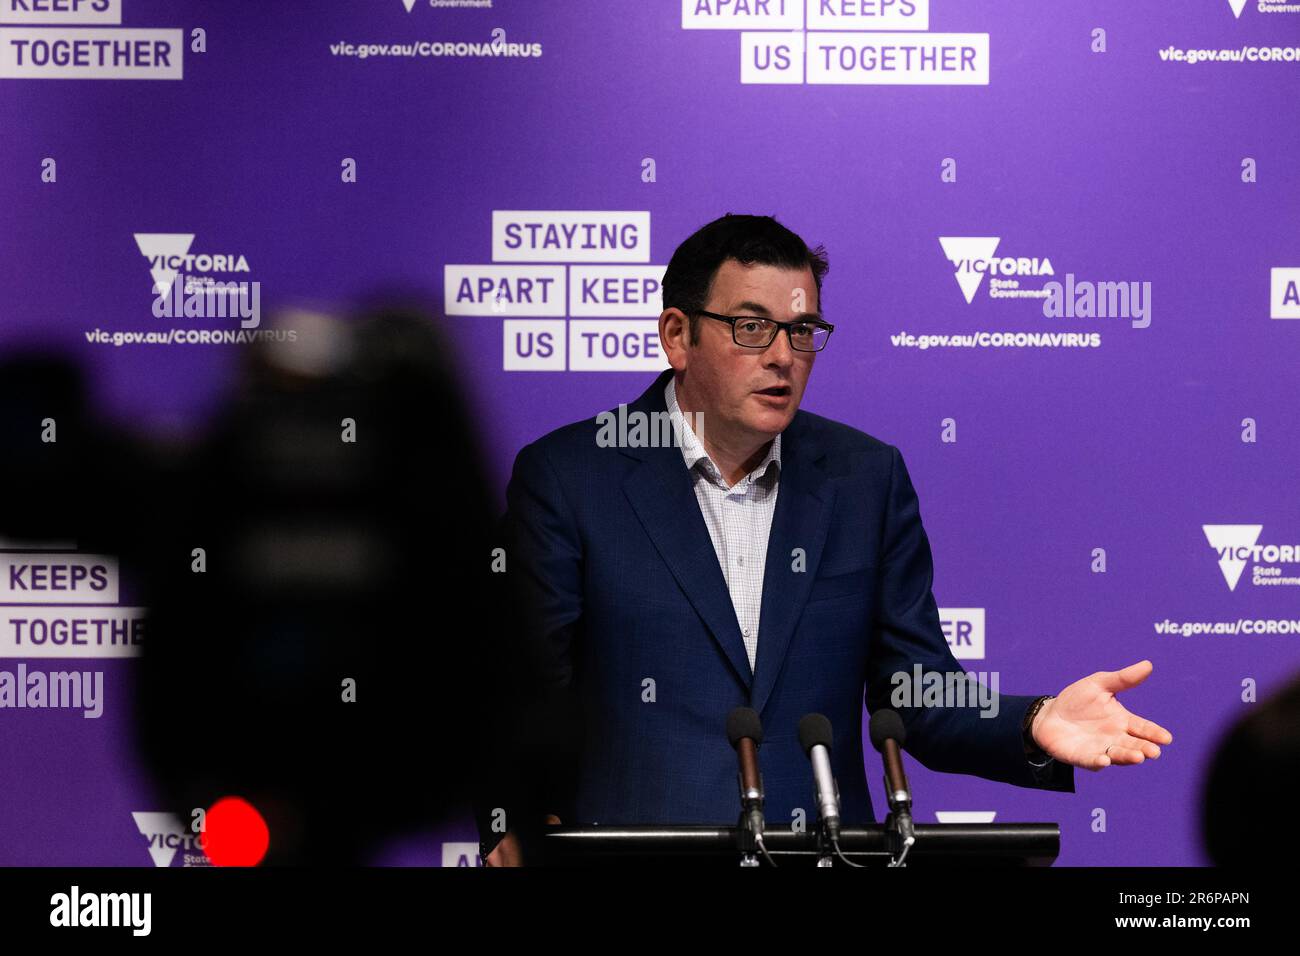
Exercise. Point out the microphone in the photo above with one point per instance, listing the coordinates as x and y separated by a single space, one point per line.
815 738
887 736
745 731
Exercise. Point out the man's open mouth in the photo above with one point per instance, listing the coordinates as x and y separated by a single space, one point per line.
775 390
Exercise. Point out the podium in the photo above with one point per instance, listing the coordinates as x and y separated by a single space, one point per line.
937 845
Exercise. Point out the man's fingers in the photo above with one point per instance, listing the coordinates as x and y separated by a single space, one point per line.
1149 730
1145 747
1097 762
1131 676
1119 754
1128 750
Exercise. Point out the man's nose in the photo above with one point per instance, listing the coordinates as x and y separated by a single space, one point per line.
779 354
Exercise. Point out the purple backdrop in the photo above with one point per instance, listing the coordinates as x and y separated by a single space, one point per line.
1109 158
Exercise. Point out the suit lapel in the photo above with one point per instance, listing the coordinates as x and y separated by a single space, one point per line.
661 494
804 503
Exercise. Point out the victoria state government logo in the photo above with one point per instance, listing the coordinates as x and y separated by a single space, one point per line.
166 834
1237 546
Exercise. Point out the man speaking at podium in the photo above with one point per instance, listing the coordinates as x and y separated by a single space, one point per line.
769 558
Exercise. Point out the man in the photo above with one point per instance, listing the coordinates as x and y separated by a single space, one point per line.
772 558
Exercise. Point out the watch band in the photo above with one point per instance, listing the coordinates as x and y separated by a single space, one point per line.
1026 727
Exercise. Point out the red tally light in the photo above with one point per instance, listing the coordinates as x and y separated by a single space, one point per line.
234 833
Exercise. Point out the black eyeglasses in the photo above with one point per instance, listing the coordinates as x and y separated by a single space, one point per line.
754 332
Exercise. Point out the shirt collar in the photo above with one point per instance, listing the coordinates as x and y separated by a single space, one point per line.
693 450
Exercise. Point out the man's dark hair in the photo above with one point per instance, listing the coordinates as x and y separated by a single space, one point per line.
750 240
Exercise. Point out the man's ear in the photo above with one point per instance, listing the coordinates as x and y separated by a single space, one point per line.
675 337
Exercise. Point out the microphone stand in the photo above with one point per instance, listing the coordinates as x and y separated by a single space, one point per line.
749 829
746 841
825 845
827 839
898 824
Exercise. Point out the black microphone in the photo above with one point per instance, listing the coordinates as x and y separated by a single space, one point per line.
815 738
887 736
745 731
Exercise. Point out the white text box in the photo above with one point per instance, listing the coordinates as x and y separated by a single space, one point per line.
742 14
503 290
625 292
62 632
771 57
570 235
61 11
925 59
58 579
868 14
533 345
615 345
90 53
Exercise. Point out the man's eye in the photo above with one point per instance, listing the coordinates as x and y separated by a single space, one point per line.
751 325
802 329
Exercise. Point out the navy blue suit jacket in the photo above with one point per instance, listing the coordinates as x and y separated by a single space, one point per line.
617 567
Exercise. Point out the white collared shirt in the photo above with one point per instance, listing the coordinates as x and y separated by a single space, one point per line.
739 519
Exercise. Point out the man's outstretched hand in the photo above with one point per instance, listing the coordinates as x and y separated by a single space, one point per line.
1086 725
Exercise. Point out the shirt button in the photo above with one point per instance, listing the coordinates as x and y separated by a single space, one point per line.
741 561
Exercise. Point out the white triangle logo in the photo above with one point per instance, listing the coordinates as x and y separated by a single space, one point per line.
965 816
158 247
460 854
964 252
1226 539
151 825
1237 7
410 4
